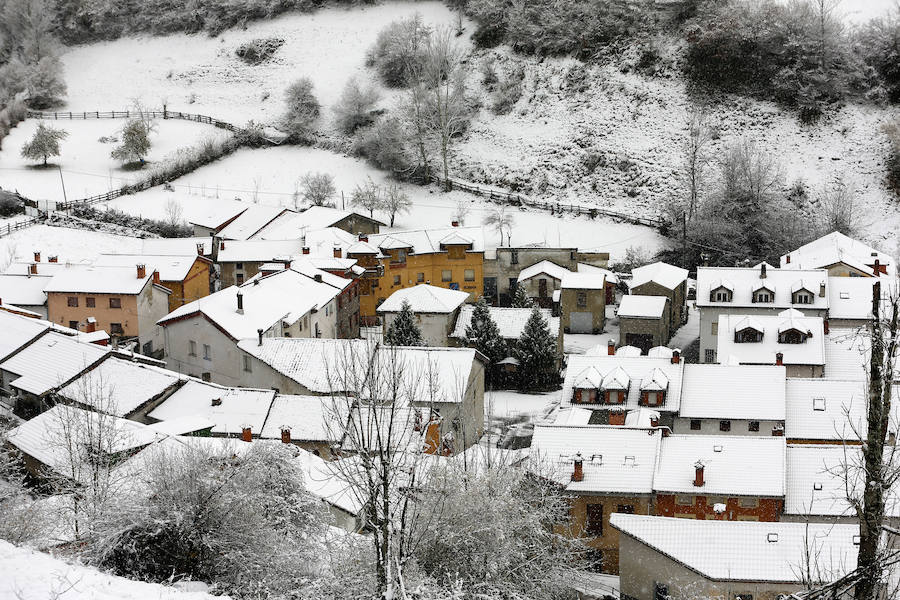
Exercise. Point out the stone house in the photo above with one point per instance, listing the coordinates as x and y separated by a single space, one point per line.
502 273
644 321
541 281
238 261
662 279
436 310
582 301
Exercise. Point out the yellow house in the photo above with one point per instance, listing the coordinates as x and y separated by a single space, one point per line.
451 257
187 277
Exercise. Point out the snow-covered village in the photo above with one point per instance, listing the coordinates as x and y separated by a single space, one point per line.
450 299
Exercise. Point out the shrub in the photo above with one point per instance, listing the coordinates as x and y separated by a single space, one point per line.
258 50
356 106
384 146
508 92
135 142
302 111
399 51
252 135
159 227
10 204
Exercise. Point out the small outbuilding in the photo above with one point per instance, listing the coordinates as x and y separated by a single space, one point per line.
644 321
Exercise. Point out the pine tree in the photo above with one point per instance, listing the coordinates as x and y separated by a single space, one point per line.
403 330
521 299
44 144
536 352
483 334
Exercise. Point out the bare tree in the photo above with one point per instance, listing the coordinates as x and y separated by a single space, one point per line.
318 188
174 212
500 219
356 106
696 159
395 201
369 196
461 211
838 210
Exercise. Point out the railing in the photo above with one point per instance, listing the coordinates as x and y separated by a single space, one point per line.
14 227
128 114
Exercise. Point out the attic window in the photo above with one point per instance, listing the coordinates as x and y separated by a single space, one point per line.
845 295
717 448
772 537
596 459
629 461
818 403
817 486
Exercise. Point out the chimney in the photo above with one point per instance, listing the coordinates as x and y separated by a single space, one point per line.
37 258
654 421
216 402
52 259
259 333
698 474
305 249
317 277
91 325
779 359
200 249
762 271
825 326
787 259
363 237
778 431
32 269
285 434
822 290
141 271
155 276
611 348
617 417
337 251
246 433
222 245
454 223
876 268
240 303
578 472
676 356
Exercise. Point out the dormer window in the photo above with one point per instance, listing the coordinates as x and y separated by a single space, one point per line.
792 336
748 335
803 297
653 398
720 294
763 295
614 396
584 396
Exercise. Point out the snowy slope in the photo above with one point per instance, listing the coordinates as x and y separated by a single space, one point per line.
29 575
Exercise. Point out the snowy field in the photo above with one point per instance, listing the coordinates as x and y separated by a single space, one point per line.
196 73
276 171
87 166
71 245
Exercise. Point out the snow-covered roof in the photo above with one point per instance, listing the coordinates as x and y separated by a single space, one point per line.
48 436
325 216
31 575
546 267
100 280
310 418
590 378
834 248
170 267
219 214
258 250
51 361
847 354
249 222
635 368
573 415
119 387
238 408
642 417
510 321
583 280
733 465
311 362
431 374
286 296
427 241
666 275
626 351
362 248
18 267
616 459
183 425
743 281
609 275
660 352
850 297
828 409
809 352
327 483
176 246
18 331
636 306
747 551
656 381
618 379
456 239
818 478
424 298
24 290
733 392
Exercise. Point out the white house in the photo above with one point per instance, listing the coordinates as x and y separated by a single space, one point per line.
841 256
436 310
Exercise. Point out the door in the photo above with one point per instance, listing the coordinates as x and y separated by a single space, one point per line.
644 341
581 322
542 288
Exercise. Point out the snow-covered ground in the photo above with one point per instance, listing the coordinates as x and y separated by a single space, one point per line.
503 404
196 73
271 174
70 245
86 164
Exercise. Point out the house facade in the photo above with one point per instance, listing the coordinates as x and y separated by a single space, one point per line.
502 272
789 338
841 256
662 279
436 310
582 302
187 277
644 321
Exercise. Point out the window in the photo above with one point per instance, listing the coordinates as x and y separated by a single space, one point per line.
749 502
748 335
396 280
207 352
627 509
802 298
72 301
469 274
819 404
709 356
246 363
420 277
115 303
239 278
513 257
446 275
206 376
239 266
581 299
593 524
715 328
762 296
791 336
90 302
720 295
192 348
116 329
724 425
73 324
754 426
401 255
682 500
695 424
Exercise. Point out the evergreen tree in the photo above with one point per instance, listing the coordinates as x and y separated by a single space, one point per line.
44 144
484 335
521 298
536 353
403 330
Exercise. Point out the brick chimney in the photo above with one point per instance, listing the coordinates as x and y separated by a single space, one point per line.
32 269
676 356
155 276
337 252
779 359
611 348
787 259
246 433
822 290
698 474
778 431
363 237
825 326
200 249
259 333
617 417
141 271
762 271
285 434
37 257
305 249
578 472
240 303
91 326
53 259
654 421
222 245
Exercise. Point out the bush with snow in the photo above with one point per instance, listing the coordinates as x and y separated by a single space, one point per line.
259 50
399 51
302 110
356 108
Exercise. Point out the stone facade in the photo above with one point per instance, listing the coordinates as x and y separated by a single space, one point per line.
676 298
503 272
744 508
645 333
582 311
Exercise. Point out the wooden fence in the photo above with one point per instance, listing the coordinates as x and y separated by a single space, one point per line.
128 114
517 199
13 227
